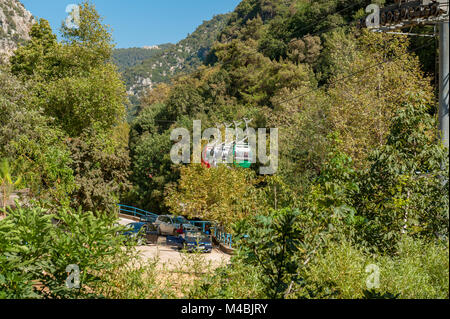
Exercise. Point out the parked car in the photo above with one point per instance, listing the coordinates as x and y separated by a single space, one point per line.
170 225
135 231
151 233
191 241
148 219
196 241
142 232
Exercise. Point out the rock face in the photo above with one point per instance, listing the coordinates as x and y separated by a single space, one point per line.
151 47
15 24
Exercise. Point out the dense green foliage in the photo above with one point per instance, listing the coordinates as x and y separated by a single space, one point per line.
36 247
360 161
75 82
198 195
168 61
286 91
126 58
405 189
362 177
33 143
62 110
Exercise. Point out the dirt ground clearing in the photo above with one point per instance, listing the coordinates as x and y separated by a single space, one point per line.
172 257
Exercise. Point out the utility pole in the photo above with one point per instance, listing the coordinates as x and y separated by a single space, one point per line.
443 81
409 13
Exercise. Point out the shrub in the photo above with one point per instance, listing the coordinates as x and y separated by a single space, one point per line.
235 281
418 270
36 246
271 244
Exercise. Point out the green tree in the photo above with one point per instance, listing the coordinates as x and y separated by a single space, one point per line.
153 170
37 246
221 194
74 81
7 184
405 190
330 200
75 84
184 100
33 59
363 103
91 39
100 169
32 143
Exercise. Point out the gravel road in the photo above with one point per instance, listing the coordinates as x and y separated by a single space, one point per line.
172 257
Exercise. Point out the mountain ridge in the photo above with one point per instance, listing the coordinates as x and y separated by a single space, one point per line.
170 59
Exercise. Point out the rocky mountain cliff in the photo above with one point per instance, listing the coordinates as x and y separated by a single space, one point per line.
15 23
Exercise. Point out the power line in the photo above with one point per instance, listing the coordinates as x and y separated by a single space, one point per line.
410 34
345 77
351 23
330 14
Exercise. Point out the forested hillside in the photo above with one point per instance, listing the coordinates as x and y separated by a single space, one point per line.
126 58
170 60
351 107
361 176
276 64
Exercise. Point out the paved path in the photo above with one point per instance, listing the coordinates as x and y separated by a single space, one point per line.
172 257
125 221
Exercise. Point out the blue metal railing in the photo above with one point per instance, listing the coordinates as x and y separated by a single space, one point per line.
201 224
221 236
136 212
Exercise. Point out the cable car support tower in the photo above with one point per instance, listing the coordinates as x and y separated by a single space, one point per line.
406 14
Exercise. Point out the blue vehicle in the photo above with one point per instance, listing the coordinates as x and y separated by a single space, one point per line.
196 240
137 231
192 241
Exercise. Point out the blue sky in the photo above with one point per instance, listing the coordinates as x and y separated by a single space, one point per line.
136 23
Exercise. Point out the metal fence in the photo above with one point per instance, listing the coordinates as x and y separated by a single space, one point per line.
223 237
136 212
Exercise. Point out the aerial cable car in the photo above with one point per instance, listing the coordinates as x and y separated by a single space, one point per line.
222 153
242 151
209 154
227 153
205 157
218 149
226 148
237 152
